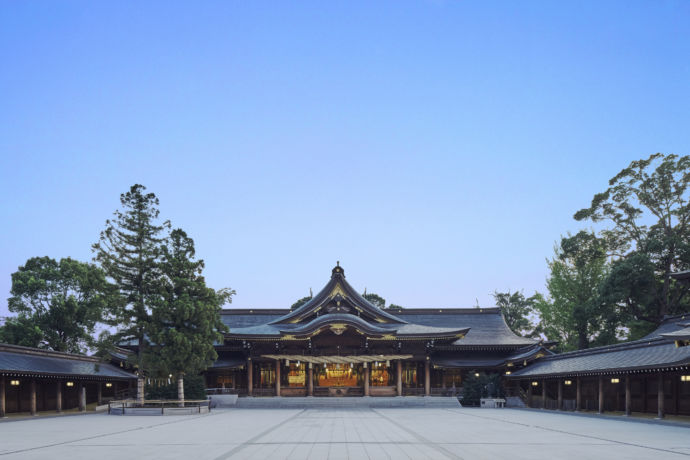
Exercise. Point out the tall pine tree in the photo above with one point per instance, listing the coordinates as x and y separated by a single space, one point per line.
186 322
129 251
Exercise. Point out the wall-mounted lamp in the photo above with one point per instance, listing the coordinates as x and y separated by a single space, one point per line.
615 380
70 384
568 382
108 385
14 383
534 384
685 378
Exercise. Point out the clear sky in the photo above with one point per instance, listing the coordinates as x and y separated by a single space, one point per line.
437 149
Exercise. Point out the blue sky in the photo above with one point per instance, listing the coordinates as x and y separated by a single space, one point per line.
437 149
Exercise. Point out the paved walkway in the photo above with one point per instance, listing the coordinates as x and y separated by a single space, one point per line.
343 433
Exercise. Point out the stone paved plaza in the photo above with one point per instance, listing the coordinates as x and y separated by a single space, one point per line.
342 433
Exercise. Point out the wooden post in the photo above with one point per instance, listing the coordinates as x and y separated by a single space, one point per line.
82 397
578 395
530 402
398 378
628 396
32 397
277 377
366 379
250 377
543 394
3 408
100 393
310 387
644 394
58 396
601 394
660 396
559 403
427 378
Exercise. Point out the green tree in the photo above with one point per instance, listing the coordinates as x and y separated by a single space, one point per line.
21 330
575 314
647 205
59 304
186 322
129 251
516 310
300 302
375 299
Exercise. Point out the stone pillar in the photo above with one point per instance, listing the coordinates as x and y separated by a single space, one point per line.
366 379
427 378
3 408
578 395
601 394
559 403
529 394
82 397
628 396
543 394
140 390
58 396
32 397
310 383
100 393
398 378
180 389
277 377
250 377
660 396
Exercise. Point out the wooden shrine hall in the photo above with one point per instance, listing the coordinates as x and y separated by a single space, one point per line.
339 344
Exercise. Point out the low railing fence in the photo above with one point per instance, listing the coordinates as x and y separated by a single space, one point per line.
159 407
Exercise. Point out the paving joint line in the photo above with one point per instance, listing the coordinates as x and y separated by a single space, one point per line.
575 434
435 446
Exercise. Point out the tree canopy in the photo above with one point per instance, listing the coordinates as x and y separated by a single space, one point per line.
59 304
516 310
129 251
647 206
185 322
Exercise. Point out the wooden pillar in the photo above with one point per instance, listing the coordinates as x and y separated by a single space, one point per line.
250 377
58 396
3 408
559 403
82 397
660 396
543 394
277 377
530 402
601 394
366 379
644 394
578 395
310 383
32 397
398 378
676 393
100 393
628 396
427 378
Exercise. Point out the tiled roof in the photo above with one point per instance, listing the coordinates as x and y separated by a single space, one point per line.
487 326
16 359
652 352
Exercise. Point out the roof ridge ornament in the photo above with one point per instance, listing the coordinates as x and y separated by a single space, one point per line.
338 270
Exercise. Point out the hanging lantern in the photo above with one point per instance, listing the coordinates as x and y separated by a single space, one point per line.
388 363
287 362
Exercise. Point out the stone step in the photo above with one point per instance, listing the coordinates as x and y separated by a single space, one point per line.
353 402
